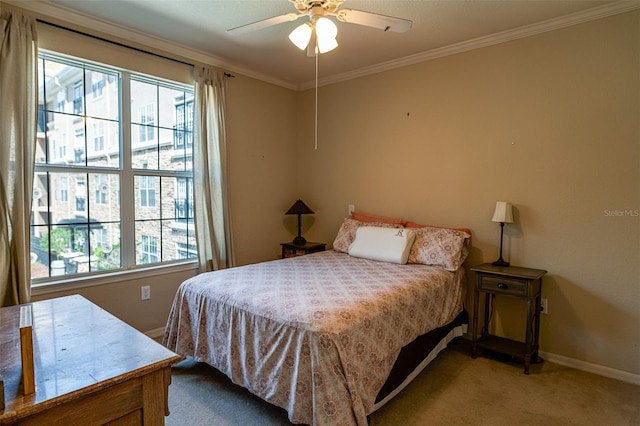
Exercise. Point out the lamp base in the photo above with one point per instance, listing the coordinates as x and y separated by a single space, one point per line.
300 241
500 262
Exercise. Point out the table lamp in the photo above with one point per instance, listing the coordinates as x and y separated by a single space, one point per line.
299 208
503 214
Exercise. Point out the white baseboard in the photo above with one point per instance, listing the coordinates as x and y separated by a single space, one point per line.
592 368
155 333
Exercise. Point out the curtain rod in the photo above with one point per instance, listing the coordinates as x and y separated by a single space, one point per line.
120 44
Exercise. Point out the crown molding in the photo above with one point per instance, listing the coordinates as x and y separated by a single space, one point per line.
485 41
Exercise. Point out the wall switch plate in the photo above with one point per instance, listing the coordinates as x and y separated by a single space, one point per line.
351 208
145 292
544 306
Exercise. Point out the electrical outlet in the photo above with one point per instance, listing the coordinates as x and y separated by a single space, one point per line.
145 292
544 306
351 208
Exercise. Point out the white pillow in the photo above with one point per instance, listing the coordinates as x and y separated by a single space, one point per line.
383 244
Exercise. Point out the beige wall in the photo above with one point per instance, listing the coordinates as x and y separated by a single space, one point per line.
549 123
122 298
261 138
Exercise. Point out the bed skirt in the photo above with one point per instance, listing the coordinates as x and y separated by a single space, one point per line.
415 356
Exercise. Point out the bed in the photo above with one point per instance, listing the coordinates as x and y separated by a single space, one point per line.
329 336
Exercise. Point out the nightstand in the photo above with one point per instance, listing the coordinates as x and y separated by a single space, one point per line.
293 250
511 281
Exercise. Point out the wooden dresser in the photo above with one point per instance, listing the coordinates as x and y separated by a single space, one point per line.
90 368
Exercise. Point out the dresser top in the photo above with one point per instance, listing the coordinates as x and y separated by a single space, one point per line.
78 348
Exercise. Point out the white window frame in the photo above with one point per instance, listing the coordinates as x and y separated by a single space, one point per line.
126 176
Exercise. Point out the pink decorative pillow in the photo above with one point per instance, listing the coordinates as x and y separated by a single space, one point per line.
439 247
347 232
379 219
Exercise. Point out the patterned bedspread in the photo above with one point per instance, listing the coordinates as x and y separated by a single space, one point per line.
316 335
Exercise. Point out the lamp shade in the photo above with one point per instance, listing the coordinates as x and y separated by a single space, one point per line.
327 44
301 36
503 213
326 32
299 207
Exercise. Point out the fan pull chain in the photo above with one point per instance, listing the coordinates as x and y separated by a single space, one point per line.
316 143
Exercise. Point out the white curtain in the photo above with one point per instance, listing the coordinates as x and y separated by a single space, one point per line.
213 222
18 122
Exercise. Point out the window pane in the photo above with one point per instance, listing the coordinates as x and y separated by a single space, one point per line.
183 132
178 240
62 87
105 247
103 143
39 263
169 97
147 201
103 101
104 195
40 199
144 96
174 154
144 155
60 195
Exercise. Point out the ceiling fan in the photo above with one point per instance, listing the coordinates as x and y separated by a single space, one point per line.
318 25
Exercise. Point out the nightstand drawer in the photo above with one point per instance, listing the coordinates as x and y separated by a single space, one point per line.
503 285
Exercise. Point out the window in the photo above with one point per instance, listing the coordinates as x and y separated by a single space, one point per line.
97 85
149 250
186 251
86 227
101 238
184 200
77 97
64 189
183 131
147 115
62 99
98 136
101 188
81 195
147 191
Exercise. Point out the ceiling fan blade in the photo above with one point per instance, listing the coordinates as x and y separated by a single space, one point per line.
264 23
383 22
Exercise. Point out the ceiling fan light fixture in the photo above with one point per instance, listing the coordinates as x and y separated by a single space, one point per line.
301 36
326 44
325 28
326 32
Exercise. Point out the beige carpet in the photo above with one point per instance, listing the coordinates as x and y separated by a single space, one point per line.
453 390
